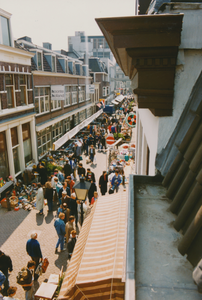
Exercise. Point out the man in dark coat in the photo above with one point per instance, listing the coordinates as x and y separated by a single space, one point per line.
67 169
5 266
81 171
103 180
34 251
90 177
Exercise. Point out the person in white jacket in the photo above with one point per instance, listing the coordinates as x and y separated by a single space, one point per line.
40 199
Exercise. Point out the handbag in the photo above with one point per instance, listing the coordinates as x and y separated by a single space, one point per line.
111 190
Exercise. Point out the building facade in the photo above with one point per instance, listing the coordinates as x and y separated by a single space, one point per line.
17 115
60 95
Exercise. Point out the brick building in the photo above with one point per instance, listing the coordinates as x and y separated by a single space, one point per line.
17 116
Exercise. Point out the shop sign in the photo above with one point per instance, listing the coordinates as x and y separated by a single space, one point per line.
57 92
90 89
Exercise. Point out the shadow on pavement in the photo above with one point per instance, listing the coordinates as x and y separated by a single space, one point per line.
39 219
62 260
49 217
15 217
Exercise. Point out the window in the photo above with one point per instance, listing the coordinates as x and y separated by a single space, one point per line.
81 93
74 95
23 89
10 90
89 112
67 96
39 61
55 104
27 142
57 131
82 115
76 119
4 167
44 141
42 100
5 38
66 125
53 61
15 149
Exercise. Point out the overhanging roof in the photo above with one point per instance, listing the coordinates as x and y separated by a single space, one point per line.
96 269
146 49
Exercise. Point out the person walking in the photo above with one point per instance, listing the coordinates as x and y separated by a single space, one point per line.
81 171
67 169
29 286
40 199
116 181
5 266
70 225
60 229
92 153
49 194
90 177
73 207
34 251
103 180
71 243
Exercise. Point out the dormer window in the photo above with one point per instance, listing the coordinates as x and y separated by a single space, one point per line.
5 37
53 61
39 61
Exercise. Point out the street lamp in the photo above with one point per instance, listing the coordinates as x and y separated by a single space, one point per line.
81 189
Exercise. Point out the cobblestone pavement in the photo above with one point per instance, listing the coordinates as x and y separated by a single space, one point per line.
17 226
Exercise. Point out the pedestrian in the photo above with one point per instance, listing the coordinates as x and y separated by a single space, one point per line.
94 198
67 169
11 293
65 188
116 181
103 180
49 194
81 171
71 243
2 280
42 173
73 165
29 286
5 266
59 225
73 207
70 225
90 177
34 251
40 199
92 153
70 184
103 142
85 141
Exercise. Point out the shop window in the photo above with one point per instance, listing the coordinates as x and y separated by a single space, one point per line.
27 142
15 148
57 131
4 167
55 104
44 141
66 125
74 94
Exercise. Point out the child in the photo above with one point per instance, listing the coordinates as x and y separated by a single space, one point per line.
94 198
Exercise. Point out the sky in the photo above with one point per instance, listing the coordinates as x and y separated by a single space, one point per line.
54 20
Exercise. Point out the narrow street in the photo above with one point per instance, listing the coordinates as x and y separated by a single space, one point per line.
17 226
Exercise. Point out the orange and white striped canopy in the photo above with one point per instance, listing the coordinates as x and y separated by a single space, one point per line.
96 269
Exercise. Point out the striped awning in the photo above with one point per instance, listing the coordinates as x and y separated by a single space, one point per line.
97 268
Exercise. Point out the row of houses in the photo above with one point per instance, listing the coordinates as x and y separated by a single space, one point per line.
43 95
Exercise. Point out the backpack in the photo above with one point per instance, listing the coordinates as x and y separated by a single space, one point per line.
24 276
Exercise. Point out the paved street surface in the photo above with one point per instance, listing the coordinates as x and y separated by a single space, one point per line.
17 226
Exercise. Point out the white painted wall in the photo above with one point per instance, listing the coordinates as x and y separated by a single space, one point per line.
147 135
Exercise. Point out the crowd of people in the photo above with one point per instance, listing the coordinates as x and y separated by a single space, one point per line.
58 188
